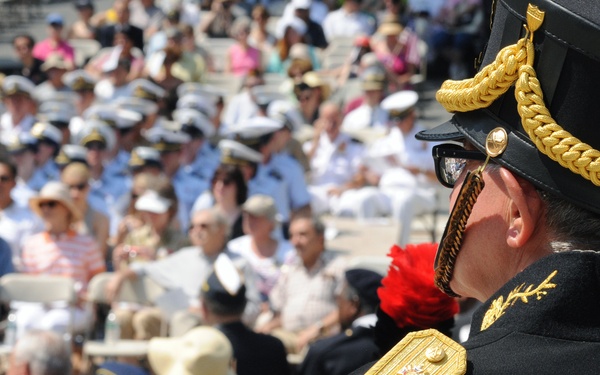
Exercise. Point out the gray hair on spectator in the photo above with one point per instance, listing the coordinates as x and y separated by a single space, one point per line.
315 222
240 24
219 218
45 352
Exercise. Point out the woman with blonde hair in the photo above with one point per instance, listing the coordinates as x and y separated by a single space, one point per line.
61 251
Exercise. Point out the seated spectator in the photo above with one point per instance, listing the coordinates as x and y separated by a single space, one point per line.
145 171
145 15
55 68
60 251
188 66
242 57
228 192
20 107
183 272
22 150
242 106
203 350
121 48
55 42
189 44
369 114
314 33
355 345
118 20
265 251
160 234
32 66
352 67
453 34
348 21
83 27
77 176
259 35
114 84
40 353
298 67
17 222
223 301
311 92
335 159
49 139
218 21
398 53
290 31
303 300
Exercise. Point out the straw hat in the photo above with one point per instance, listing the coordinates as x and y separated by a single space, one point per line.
57 192
203 350
313 80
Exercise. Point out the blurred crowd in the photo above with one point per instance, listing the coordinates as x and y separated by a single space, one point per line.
156 137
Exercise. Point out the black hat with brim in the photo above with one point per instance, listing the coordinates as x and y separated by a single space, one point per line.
567 64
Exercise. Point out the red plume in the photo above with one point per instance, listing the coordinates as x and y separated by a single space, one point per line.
408 294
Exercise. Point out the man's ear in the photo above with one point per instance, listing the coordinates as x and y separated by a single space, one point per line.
525 207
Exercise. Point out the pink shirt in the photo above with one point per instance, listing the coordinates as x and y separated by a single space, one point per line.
43 49
242 61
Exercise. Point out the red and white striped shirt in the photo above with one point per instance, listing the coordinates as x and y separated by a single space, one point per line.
68 254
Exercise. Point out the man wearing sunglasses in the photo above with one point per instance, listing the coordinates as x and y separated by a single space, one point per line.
524 232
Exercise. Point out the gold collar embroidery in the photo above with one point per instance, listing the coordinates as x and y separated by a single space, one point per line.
499 306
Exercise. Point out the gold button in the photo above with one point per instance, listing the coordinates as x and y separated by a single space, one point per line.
435 354
496 142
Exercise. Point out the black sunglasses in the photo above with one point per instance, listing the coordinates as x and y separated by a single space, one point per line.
49 204
79 187
450 161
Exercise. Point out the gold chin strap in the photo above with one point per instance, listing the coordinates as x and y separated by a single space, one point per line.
451 243
455 229
514 65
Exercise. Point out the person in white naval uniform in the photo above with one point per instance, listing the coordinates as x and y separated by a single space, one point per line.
407 176
22 149
20 107
49 140
260 133
335 159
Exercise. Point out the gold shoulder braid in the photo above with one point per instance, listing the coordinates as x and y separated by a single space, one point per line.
423 352
499 305
514 65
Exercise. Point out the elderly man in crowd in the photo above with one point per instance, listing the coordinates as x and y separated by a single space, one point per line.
183 272
40 353
304 299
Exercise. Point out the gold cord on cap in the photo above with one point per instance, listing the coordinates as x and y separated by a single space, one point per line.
514 65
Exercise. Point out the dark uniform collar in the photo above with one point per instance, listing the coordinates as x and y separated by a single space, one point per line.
555 297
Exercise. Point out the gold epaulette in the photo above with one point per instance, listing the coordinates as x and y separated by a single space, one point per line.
423 352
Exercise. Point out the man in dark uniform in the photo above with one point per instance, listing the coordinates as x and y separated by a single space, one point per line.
223 299
355 345
524 233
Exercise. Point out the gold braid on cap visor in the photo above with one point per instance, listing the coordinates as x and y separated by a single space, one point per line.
513 65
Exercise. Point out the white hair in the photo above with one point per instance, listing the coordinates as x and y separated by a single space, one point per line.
45 352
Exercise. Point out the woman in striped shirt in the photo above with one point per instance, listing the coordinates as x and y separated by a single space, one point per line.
58 250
